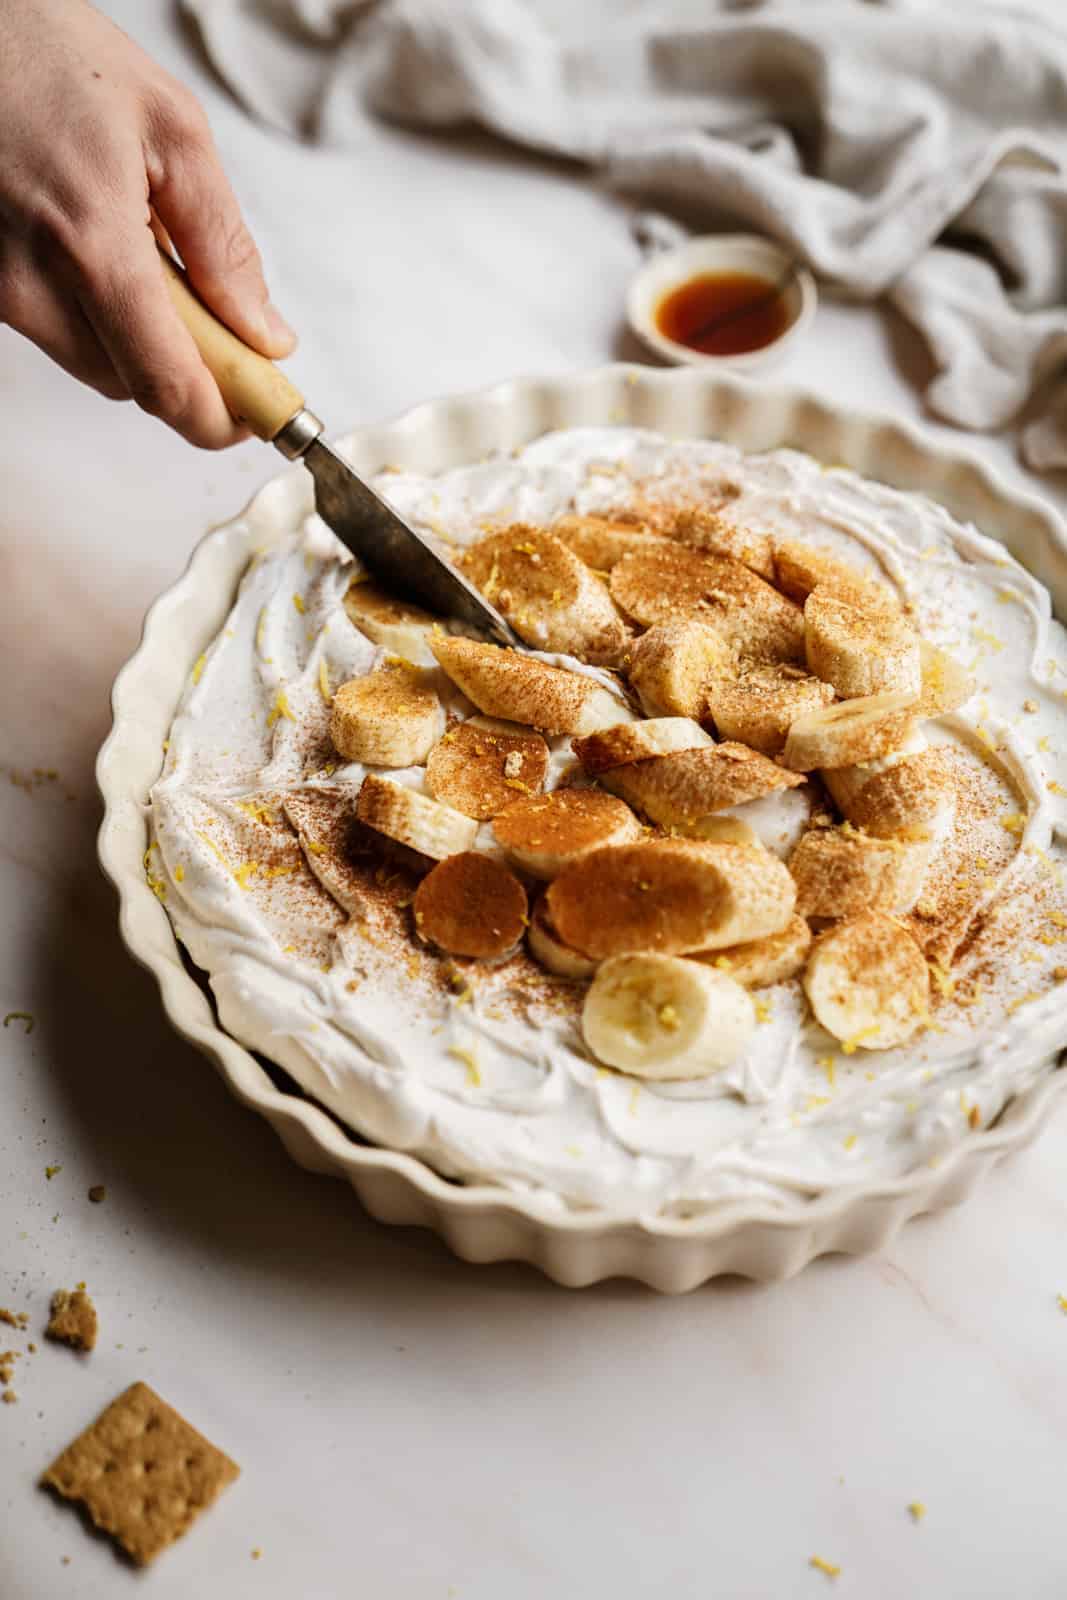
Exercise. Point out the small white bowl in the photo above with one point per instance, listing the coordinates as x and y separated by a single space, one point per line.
728 252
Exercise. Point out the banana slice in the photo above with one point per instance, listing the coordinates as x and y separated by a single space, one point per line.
481 766
765 961
758 707
845 783
519 688
390 718
945 684
639 741
723 830
859 647
855 730
669 895
678 790
671 666
666 584
701 529
658 1016
600 542
914 798
547 593
398 626
839 873
471 905
410 818
551 831
548 948
868 983
800 568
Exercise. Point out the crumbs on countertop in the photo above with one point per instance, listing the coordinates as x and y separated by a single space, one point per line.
73 1321
97 1193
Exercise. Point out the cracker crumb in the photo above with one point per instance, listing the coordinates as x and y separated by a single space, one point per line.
73 1320
97 1193
256 1553
14 1319
9 1397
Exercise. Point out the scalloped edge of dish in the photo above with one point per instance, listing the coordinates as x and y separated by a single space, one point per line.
482 1223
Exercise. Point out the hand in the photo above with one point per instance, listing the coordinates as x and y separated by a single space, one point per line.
94 136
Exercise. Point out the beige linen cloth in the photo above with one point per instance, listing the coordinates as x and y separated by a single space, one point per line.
911 149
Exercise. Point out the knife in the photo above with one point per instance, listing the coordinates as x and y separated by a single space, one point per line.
258 394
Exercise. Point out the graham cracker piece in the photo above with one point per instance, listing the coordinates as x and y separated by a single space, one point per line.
73 1319
142 1473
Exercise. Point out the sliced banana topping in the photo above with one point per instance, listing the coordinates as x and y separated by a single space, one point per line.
713 531
658 1016
678 790
800 568
868 983
759 706
411 819
853 731
481 766
945 684
639 741
519 688
671 666
547 593
547 947
390 718
670 895
839 872
471 905
845 783
859 647
914 798
765 961
665 584
601 542
398 626
543 835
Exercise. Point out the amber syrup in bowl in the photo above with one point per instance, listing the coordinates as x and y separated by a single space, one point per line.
725 313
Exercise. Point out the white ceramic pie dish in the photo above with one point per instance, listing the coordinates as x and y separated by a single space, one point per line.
757 1239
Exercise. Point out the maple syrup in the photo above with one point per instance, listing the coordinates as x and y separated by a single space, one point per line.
725 313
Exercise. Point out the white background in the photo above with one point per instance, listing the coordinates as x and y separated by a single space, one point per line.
411 1428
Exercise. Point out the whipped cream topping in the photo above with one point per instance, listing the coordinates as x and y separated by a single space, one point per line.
487 1078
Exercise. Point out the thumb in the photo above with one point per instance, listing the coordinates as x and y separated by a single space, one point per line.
192 198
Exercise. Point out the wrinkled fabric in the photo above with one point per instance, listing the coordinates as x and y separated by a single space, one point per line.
915 150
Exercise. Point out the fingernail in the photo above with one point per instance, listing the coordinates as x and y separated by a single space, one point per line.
277 326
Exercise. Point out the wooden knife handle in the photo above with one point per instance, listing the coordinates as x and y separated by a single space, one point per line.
256 392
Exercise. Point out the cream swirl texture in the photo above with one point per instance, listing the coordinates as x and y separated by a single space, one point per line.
492 1083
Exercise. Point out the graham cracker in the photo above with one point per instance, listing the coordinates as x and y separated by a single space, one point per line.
73 1319
141 1472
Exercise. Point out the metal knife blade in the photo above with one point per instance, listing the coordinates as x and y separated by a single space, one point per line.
405 562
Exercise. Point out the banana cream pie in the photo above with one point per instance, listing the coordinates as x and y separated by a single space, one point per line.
745 878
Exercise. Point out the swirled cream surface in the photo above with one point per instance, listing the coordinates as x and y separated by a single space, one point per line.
481 1071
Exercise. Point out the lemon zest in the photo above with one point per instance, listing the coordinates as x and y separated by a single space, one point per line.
298 602
324 681
827 1567
27 1018
467 1056
916 1510
179 873
850 1044
280 708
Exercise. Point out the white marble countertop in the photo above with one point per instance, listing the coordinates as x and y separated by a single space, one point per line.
410 1427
